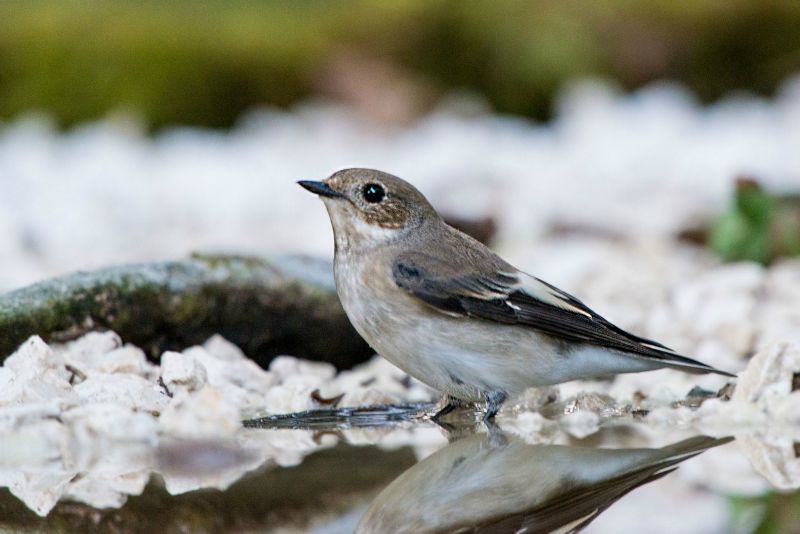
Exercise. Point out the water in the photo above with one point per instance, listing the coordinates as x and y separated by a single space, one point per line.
498 483
390 469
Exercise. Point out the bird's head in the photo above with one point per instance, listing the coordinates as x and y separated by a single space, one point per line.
369 207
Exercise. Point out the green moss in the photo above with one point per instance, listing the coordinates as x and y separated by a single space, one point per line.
772 513
265 306
759 226
206 62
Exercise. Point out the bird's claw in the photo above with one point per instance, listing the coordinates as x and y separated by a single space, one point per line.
494 400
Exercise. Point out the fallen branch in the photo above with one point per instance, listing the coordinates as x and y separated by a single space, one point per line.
281 305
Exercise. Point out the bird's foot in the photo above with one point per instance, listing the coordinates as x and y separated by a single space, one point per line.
497 437
494 400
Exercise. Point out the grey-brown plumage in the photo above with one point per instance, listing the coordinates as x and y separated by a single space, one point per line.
453 314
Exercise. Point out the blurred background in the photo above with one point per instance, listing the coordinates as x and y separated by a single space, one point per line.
643 155
143 130
207 63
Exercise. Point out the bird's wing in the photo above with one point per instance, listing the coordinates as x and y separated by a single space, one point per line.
510 297
581 501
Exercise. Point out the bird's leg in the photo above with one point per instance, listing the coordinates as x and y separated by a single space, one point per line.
497 438
452 404
494 400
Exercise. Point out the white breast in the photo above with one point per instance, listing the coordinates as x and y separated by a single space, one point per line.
455 355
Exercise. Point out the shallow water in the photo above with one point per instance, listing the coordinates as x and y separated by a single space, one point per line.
392 470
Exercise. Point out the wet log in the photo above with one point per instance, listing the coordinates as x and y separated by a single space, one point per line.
266 306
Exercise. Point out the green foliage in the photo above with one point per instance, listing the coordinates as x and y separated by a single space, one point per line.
759 226
173 62
204 62
772 513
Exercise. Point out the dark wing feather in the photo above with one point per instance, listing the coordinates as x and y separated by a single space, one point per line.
580 503
506 298
576 507
578 304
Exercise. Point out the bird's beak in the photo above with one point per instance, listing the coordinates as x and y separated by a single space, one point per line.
319 188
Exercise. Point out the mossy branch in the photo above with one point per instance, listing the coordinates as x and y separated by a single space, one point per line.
280 305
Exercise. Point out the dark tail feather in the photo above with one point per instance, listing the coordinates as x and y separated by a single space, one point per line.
692 446
688 365
666 356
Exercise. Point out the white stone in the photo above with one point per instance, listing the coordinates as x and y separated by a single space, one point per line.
784 409
534 428
581 424
127 359
36 445
774 458
88 351
205 413
205 464
8 388
379 374
19 415
769 373
35 354
98 493
182 370
227 370
719 418
285 367
114 421
128 390
369 396
35 373
223 349
287 399
41 491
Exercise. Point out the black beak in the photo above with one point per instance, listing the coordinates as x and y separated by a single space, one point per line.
319 188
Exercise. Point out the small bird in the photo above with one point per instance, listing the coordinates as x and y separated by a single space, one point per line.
482 484
450 312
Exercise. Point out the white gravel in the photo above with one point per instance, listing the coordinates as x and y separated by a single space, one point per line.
97 430
642 164
92 433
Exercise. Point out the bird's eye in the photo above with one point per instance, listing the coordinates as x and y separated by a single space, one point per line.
373 193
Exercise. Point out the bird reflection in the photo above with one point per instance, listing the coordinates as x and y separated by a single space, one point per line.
499 483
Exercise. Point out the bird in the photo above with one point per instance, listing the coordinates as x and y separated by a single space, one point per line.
451 313
482 484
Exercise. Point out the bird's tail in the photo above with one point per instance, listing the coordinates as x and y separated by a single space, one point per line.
668 357
677 452
688 365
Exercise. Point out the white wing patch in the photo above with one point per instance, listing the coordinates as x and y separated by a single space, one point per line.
657 347
538 290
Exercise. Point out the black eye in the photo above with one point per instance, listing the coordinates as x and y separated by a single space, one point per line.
373 193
